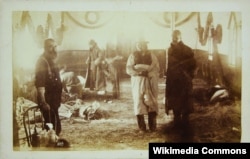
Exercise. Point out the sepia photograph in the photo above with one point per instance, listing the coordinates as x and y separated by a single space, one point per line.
115 80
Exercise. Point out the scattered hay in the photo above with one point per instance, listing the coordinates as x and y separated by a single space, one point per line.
217 116
101 113
216 123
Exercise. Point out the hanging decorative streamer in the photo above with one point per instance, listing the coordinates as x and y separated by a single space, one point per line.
60 31
40 36
232 18
214 71
37 35
216 34
49 30
41 32
26 20
233 37
203 33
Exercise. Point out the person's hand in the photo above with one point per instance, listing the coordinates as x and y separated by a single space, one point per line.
118 57
141 67
167 112
98 61
144 73
45 106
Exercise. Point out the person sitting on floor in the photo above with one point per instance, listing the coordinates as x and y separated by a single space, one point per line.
70 82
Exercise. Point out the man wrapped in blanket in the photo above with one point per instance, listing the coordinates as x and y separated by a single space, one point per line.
143 67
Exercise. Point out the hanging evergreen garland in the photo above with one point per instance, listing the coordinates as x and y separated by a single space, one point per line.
204 33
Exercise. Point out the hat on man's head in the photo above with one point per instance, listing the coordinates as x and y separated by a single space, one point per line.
176 32
92 42
141 43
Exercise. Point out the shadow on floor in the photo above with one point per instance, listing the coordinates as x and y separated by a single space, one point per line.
183 133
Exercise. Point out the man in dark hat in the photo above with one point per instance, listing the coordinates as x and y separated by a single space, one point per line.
143 67
180 72
49 86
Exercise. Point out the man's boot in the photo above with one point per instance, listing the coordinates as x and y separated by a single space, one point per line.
141 123
152 121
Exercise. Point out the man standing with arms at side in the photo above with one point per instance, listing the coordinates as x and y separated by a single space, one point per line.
181 65
49 86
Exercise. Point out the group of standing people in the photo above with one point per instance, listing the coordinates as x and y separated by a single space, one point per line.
51 81
102 66
142 66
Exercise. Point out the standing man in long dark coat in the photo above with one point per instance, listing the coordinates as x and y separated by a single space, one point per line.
180 72
49 86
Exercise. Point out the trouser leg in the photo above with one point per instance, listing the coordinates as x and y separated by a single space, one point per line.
185 118
177 117
46 118
152 121
52 116
57 122
141 122
186 111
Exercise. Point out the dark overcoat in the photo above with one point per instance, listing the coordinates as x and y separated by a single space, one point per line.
180 72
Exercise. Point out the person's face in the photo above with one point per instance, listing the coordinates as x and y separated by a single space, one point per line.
101 54
176 37
143 47
51 50
91 46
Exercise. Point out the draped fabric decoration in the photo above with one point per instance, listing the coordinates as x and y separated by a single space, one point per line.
233 39
60 30
26 21
232 18
203 33
52 32
49 31
40 36
218 33
45 32
209 30
234 51
37 35
89 20
166 20
213 70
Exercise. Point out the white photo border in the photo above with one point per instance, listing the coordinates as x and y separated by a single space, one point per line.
8 6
